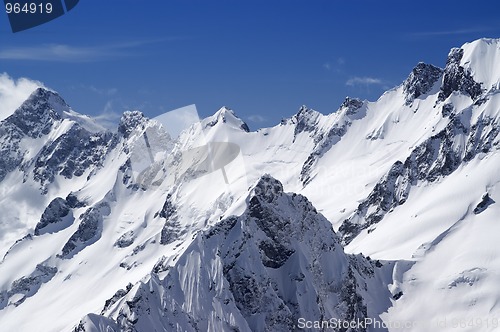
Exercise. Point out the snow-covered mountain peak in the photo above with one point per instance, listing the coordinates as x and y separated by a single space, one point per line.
350 106
52 97
306 114
472 69
46 100
224 110
267 188
482 58
305 120
130 121
227 116
38 113
420 81
458 78
45 107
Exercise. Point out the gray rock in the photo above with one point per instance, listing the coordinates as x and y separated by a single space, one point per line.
131 120
172 229
457 78
72 154
126 240
421 80
486 201
54 217
28 286
88 231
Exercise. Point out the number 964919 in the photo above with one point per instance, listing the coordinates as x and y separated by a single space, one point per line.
28 8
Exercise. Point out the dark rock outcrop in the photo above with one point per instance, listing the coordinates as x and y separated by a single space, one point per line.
88 231
28 286
131 120
72 154
457 78
33 119
421 80
171 230
486 201
53 218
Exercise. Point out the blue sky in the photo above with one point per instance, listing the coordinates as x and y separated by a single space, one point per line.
263 59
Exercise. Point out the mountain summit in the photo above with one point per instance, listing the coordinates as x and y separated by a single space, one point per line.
227 116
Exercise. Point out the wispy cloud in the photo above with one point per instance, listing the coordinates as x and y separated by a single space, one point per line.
450 32
102 91
57 52
71 53
363 81
336 66
14 92
109 117
257 118
178 120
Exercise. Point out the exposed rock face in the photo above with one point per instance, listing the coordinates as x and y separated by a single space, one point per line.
52 219
274 251
125 240
172 229
261 271
117 296
482 137
71 154
168 210
392 190
37 114
305 121
421 80
73 201
457 78
447 110
10 155
351 105
486 201
33 119
89 230
131 120
27 286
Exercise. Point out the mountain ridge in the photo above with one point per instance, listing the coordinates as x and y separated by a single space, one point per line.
108 221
